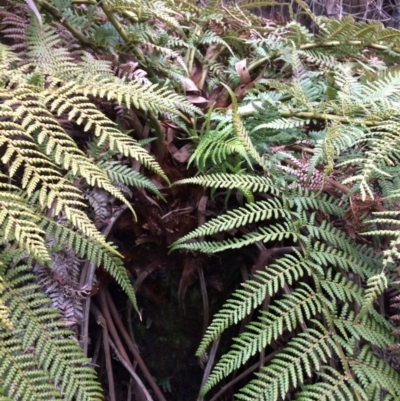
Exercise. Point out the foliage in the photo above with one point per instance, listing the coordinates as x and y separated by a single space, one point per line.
64 163
316 303
303 126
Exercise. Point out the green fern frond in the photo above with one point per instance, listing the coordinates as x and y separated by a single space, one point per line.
276 232
324 255
266 282
83 112
40 332
339 287
19 222
5 322
338 239
375 287
365 328
21 378
223 180
45 51
304 199
252 212
38 122
371 370
121 173
333 386
285 313
149 97
241 130
302 356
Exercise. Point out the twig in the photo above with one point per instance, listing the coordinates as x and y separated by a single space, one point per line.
334 43
106 317
110 324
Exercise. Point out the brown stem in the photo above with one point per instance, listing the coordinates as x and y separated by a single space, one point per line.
105 321
129 368
249 109
110 324
204 297
160 142
86 279
131 345
106 344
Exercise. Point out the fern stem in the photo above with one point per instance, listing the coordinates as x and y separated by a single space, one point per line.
189 58
120 29
249 109
160 143
129 368
334 43
107 354
257 63
89 2
57 15
131 346
207 67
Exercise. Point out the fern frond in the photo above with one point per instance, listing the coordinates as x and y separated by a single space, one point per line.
21 378
339 240
19 222
241 130
38 122
364 328
302 356
118 172
223 180
339 287
371 370
39 328
333 386
149 97
88 248
5 322
265 282
375 287
252 212
284 314
276 232
45 51
83 112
